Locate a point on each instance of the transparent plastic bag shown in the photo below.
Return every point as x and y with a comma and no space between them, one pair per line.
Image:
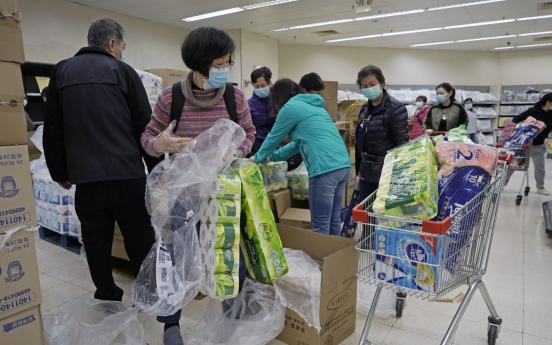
176,195
298,181
94,322
274,175
299,290
254,317
387,304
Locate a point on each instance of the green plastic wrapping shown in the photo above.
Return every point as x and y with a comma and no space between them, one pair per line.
228,186
274,175
260,241
298,181
408,184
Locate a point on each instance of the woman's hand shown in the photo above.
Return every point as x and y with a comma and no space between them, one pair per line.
429,131
165,143
252,159
357,182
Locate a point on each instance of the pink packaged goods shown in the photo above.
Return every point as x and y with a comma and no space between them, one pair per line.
524,132
456,155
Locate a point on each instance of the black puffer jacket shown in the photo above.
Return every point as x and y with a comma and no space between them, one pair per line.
386,129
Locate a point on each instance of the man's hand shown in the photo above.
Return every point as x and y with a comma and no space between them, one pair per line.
165,143
65,185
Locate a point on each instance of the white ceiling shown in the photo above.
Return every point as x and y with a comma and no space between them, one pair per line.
261,21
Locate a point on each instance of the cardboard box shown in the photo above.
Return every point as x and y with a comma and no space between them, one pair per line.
19,282
350,190
352,155
13,126
11,36
17,205
272,202
24,328
339,260
169,75
330,97
34,153
349,110
293,216
118,249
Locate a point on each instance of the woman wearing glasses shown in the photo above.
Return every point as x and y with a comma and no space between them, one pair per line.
207,51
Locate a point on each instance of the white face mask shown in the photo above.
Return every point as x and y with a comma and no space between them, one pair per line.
419,105
25,103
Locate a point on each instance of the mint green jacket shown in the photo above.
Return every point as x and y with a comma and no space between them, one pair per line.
314,136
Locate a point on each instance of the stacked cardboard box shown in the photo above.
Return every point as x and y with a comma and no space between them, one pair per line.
20,297
169,75
330,97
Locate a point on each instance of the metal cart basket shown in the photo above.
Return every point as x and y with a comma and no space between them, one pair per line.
521,158
428,259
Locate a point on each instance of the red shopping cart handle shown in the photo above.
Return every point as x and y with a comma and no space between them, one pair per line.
429,226
507,158
434,133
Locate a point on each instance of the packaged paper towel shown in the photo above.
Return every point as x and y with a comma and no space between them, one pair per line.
153,85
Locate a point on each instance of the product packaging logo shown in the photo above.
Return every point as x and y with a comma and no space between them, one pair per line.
340,299
8,187
15,272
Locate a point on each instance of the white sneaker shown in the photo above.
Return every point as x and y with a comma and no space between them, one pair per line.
542,192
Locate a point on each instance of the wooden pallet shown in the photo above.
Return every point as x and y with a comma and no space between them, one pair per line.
63,240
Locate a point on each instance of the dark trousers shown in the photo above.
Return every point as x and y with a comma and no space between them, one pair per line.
98,206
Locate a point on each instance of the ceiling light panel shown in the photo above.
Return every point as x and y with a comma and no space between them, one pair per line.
386,15
536,33
535,18
484,39
237,9
431,44
479,24
504,48
535,45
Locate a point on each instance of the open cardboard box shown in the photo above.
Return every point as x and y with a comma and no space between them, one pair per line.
338,259
169,75
289,215
330,97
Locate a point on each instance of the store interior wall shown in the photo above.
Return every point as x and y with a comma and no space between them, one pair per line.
236,71
55,30
258,50
525,67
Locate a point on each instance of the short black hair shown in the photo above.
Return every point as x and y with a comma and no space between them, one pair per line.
282,92
264,72
312,82
44,92
423,98
102,30
468,100
205,44
370,70
547,97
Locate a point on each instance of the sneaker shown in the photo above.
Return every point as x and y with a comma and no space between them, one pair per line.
542,192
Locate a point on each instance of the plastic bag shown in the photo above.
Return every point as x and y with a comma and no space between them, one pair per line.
94,322
387,302
298,181
274,175
177,192
255,317
299,290
408,183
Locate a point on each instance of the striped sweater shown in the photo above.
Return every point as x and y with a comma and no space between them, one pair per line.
202,108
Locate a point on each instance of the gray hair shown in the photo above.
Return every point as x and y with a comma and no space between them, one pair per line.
102,30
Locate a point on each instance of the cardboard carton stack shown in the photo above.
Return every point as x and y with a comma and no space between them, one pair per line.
20,297
169,75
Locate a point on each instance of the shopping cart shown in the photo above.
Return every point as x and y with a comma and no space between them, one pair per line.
521,157
461,244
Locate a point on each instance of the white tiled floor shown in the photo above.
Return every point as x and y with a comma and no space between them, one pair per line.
519,280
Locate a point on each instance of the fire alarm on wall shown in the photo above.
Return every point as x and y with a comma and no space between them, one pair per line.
363,6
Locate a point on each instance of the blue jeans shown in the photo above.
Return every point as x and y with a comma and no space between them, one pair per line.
325,199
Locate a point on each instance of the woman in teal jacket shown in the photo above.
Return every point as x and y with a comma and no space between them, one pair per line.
302,116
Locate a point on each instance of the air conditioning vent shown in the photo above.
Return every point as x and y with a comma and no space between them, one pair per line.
545,6
541,39
326,33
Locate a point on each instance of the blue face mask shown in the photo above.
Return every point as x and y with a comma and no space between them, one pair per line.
263,92
441,98
122,53
468,106
217,78
372,93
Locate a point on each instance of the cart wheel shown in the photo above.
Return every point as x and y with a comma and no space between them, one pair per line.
527,190
492,335
400,306
518,200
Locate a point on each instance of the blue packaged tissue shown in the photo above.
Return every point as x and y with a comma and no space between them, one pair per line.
409,259
455,191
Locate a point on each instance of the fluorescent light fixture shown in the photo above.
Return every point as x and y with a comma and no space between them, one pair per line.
430,44
536,33
213,14
479,24
410,32
535,45
463,5
504,48
237,9
313,25
485,38
353,38
535,18
266,4
391,14
385,15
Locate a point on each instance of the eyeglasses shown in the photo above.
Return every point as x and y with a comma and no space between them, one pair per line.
230,65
